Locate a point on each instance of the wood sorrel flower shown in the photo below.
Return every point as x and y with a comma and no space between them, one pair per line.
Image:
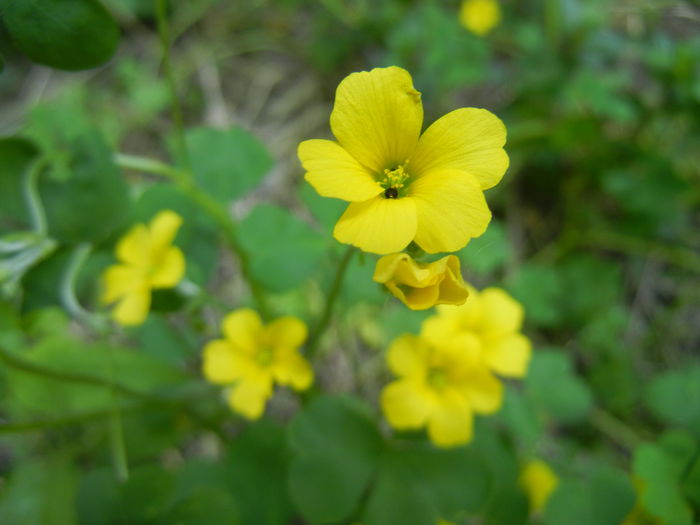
439,388
252,357
148,261
403,186
538,481
422,285
480,16
493,320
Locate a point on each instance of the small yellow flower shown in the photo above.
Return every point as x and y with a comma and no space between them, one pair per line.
538,481
148,261
480,16
439,388
490,320
403,186
253,356
422,285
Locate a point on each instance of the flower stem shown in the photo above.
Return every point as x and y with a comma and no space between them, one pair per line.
31,195
312,346
615,429
175,108
211,207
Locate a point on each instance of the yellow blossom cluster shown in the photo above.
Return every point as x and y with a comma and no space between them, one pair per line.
447,374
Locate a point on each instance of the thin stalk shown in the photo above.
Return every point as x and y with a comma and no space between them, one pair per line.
69,281
312,346
175,108
116,428
31,195
615,429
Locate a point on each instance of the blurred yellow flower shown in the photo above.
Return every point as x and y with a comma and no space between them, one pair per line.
439,388
253,356
403,186
148,261
480,16
489,320
538,481
422,285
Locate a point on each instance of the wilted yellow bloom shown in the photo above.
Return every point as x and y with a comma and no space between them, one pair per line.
148,261
480,16
403,186
439,388
489,321
252,357
538,481
422,285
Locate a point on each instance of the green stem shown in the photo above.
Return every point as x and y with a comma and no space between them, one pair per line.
615,429
116,428
175,108
211,207
31,195
312,346
68,284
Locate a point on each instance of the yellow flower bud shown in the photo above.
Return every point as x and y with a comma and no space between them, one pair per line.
538,481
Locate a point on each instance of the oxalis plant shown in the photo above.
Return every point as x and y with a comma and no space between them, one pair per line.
169,359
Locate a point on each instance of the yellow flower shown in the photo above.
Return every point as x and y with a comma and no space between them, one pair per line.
403,186
439,388
252,357
480,16
422,285
490,320
538,481
148,261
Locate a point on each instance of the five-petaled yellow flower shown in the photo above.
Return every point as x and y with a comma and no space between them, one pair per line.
439,387
148,261
422,285
538,481
253,356
480,16
489,320
403,186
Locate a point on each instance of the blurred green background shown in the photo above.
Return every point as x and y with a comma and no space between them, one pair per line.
595,231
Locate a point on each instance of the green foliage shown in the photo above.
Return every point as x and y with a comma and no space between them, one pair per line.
55,32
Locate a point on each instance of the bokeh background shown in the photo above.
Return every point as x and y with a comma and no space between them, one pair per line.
595,231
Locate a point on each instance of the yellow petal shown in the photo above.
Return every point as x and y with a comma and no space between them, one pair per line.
406,404
439,329
244,329
450,422
288,332
400,267
378,225
290,368
416,298
222,364
480,16
453,289
133,308
484,392
170,269
408,356
500,313
134,246
334,173
119,280
467,139
377,117
163,228
538,481
451,210
248,397
509,356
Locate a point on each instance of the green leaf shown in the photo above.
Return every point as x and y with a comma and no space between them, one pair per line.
257,470
674,397
284,251
419,485
93,202
337,447
539,289
15,157
228,163
487,253
65,34
145,495
203,506
553,387
325,210
97,497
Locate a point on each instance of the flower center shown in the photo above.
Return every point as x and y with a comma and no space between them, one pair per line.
264,357
437,378
394,181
